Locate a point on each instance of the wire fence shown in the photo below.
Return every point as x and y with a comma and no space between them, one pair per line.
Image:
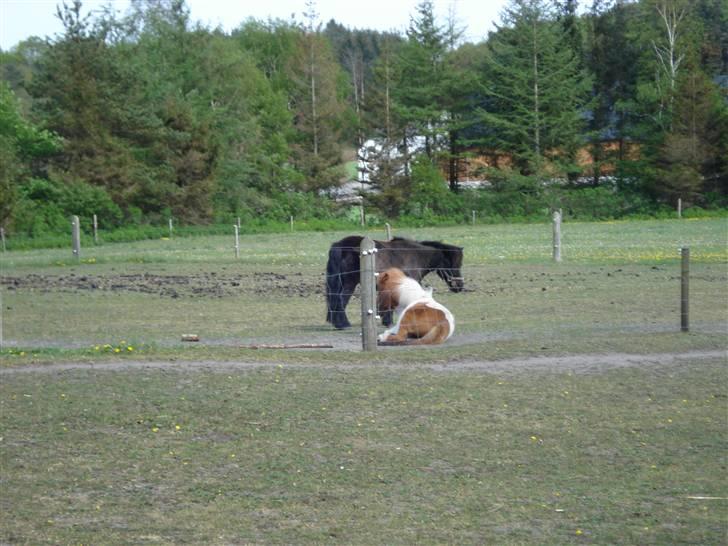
124,307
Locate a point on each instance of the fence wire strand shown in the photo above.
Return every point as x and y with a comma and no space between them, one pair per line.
130,306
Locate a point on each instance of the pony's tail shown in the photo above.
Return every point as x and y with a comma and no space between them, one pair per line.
334,285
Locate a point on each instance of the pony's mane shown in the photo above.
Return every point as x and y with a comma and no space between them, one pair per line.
452,254
440,245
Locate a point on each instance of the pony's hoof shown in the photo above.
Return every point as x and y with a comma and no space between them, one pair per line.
342,326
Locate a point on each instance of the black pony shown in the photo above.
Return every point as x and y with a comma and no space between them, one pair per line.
415,258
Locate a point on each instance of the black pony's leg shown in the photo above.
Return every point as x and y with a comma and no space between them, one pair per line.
337,311
348,285
338,316
386,318
336,268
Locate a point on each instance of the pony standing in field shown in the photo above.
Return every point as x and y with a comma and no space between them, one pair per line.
421,319
415,258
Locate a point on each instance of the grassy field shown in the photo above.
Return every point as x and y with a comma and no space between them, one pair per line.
296,454
427,446
618,280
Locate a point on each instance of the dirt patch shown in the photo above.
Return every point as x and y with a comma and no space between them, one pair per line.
584,363
207,284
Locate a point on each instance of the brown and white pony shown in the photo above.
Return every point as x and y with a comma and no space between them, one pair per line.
421,319
415,258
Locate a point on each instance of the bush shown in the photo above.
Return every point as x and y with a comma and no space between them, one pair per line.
300,205
45,206
430,197
600,203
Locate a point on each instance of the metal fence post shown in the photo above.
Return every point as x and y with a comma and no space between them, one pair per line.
685,290
368,295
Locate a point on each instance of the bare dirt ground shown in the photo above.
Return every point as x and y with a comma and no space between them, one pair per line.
208,284
583,363
222,284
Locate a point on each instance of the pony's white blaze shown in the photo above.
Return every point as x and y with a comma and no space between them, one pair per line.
422,320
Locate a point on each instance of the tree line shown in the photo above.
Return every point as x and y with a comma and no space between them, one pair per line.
146,115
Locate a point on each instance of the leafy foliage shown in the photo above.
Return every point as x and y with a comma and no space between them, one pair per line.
45,206
21,143
148,115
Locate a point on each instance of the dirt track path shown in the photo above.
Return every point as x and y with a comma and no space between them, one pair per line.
583,363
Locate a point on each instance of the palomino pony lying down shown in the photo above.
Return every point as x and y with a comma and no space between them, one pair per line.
421,319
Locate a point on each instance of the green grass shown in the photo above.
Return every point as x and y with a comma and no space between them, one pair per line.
365,456
339,446
617,280
621,242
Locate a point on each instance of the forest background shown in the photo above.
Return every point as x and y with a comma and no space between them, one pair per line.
604,110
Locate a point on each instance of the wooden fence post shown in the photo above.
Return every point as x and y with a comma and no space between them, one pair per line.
389,231
237,241
679,207
96,230
170,228
2,236
368,295
557,236
473,217
685,290
76,237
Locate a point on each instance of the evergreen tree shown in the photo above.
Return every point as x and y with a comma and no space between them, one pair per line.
689,158
79,92
464,95
536,91
422,70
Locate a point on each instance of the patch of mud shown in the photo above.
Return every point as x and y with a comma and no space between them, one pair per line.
212,284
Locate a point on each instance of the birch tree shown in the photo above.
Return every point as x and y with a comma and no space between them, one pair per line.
669,55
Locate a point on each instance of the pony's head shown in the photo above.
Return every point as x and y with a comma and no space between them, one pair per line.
388,288
449,264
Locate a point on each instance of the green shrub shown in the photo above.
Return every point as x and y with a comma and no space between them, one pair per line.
430,197
300,205
45,207
600,203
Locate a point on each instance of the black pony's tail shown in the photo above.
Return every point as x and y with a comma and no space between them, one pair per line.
334,285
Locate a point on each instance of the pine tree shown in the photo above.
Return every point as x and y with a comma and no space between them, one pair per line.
536,91
612,58
422,70
692,158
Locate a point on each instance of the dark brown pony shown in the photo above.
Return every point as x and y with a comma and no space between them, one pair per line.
415,258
